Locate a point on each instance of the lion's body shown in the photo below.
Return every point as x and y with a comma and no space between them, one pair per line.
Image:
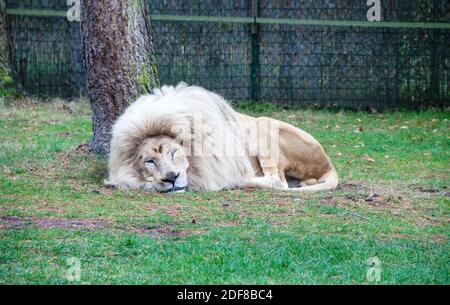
292,153
224,149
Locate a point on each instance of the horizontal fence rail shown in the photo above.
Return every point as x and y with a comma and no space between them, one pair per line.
257,20
294,53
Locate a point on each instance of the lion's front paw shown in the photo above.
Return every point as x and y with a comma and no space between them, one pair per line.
277,184
148,186
269,182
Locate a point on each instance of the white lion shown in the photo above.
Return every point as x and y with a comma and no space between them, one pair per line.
186,137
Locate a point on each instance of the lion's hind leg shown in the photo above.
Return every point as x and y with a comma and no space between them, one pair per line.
307,182
327,182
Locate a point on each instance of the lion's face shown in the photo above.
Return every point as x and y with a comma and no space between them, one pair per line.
163,164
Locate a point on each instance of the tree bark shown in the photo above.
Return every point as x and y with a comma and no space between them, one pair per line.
6,81
120,61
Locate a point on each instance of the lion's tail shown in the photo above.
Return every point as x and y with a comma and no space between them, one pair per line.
328,182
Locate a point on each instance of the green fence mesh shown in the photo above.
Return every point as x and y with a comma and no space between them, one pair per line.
289,64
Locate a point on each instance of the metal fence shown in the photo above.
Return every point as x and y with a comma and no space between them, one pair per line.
290,52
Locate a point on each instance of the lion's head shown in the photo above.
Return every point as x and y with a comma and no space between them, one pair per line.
162,163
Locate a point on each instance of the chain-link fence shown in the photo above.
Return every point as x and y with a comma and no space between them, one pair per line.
46,50
290,52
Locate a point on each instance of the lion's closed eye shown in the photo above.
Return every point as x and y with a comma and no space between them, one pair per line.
150,163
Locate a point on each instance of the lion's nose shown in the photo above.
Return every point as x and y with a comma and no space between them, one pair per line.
171,177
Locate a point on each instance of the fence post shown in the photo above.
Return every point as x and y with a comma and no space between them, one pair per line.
436,56
255,64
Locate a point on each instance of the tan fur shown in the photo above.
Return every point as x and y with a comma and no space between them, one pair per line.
155,125
297,155
157,160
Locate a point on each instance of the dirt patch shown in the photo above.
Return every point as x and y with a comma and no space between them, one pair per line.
63,134
376,195
425,221
356,192
108,190
428,190
167,231
351,186
61,106
370,199
82,148
439,238
17,223
395,235
172,210
50,223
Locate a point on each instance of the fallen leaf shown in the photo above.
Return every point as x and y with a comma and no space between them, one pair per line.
367,158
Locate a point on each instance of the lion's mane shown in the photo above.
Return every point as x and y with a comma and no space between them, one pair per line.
163,113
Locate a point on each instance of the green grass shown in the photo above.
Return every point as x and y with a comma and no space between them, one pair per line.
7,86
53,206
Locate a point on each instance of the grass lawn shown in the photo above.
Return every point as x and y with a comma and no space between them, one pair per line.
392,203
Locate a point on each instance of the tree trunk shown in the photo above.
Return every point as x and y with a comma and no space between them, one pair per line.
6,82
120,60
